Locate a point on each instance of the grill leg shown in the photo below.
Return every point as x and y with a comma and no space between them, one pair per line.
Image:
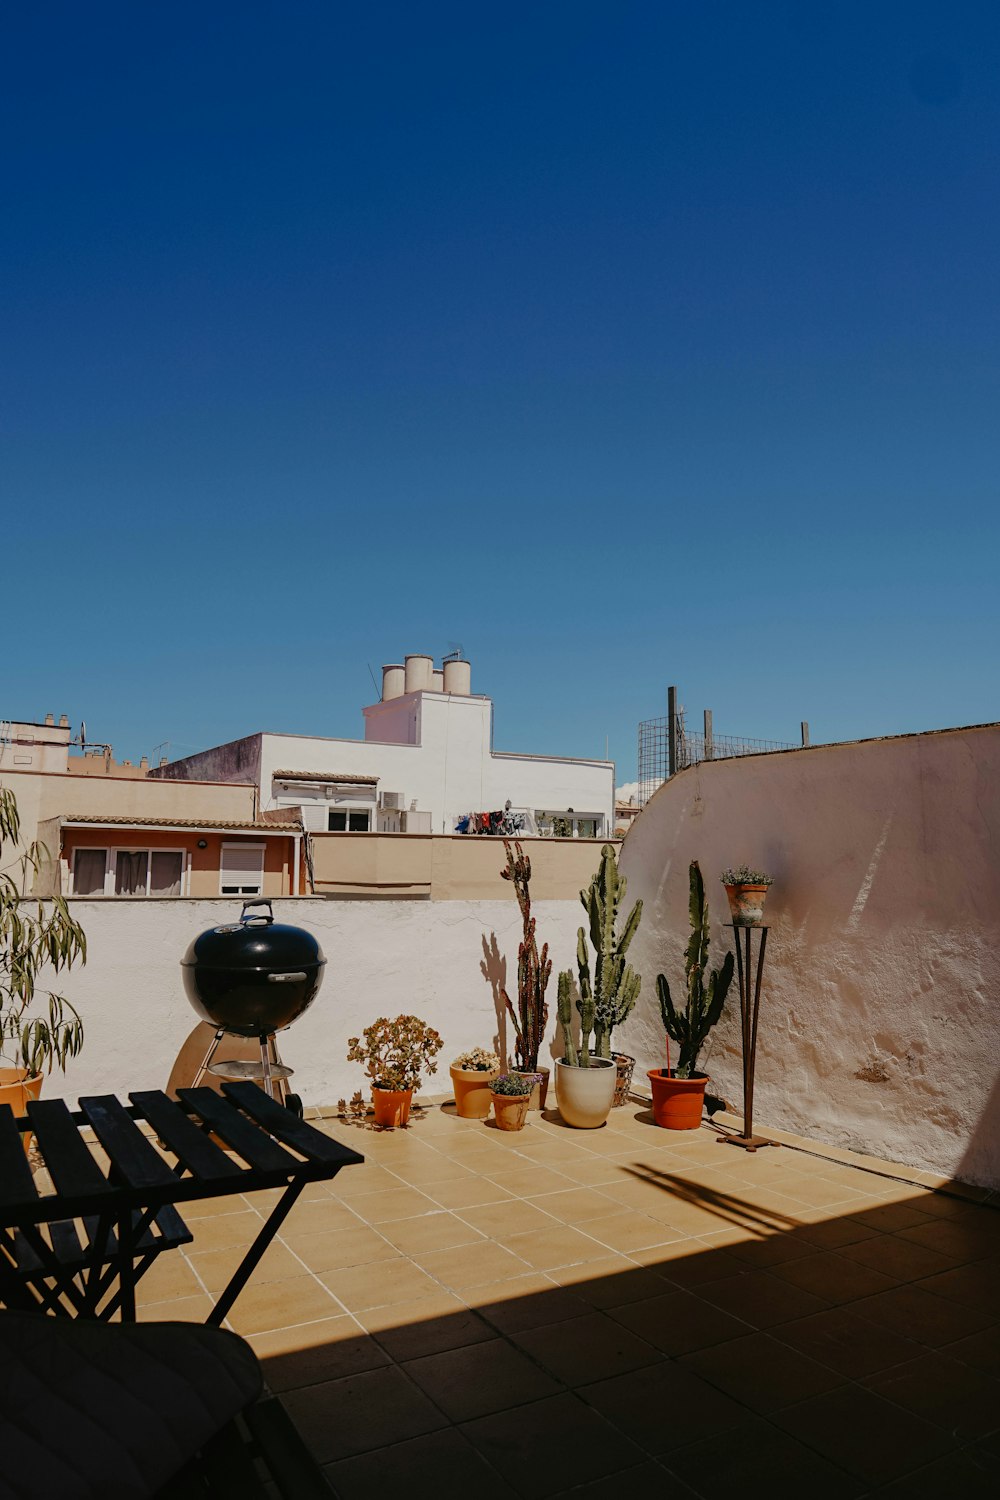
213,1048
282,1083
265,1064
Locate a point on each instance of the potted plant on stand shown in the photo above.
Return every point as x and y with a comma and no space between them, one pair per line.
679,1092
394,1054
585,1084
30,940
511,1096
471,1075
616,985
533,970
746,890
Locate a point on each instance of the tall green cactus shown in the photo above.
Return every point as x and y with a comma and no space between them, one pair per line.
576,1057
616,984
705,997
533,968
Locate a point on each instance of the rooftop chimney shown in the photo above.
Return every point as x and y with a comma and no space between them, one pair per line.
144,763
50,719
164,761
63,721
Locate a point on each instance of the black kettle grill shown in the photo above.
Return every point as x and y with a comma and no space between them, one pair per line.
253,978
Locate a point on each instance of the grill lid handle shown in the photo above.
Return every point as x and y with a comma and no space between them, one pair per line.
261,919
286,978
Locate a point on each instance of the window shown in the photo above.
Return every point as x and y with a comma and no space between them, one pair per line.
242,871
128,872
340,820
567,825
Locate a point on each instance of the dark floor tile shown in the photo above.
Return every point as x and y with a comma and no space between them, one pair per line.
969,1472
479,1379
833,1277
976,1286
981,1350
962,1400
863,1433
761,1372
921,1316
588,1349
679,1322
361,1412
899,1258
459,1471
762,1299
757,1459
648,1479
846,1343
551,1446
664,1406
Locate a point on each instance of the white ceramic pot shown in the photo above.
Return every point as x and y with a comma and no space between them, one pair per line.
585,1095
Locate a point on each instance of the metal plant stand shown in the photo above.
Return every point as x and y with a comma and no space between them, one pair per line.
749,1011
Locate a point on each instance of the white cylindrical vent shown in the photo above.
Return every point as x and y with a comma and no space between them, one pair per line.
393,682
458,677
419,670
437,681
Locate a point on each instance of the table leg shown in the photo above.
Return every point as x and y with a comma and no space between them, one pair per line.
250,1261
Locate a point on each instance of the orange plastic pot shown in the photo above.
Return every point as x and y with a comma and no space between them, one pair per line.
391,1106
17,1086
678,1103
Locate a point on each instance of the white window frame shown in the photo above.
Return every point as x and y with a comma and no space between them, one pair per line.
111,854
244,848
349,812
576,818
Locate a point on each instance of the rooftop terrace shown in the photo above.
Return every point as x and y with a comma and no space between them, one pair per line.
609,1312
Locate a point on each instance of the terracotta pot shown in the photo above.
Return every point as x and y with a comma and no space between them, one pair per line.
510,1110
540,1091
678,1103
392,1106
746,903
472,1091
585,1095
17,1086
624,1064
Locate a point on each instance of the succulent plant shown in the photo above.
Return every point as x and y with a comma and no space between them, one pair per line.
395,1053
616,985
533,968
706,996
477,1060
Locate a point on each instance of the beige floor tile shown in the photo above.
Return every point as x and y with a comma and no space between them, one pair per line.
362,1412
679,1322
327,1251
575,1205
204,1208
471,1266
311,1353
480,1378
688,1262
215,1268
266,1305
867,1435
502,1221
530,1301
194,1309
626,1232
395,1203
170,1275
612,1281
761,1372
432,1231
357,1182
459,1471
219,1231
832,1234
528,1182
890,1218
408,1330
360,1287
319,1217
558,1245
584,1349
467,1192
589,1171
587,1449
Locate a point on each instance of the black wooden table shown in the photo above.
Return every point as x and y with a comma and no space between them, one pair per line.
79,1250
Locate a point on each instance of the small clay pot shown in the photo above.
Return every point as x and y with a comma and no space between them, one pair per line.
510,1110
541,1088
678,1103
472,1091
391,1106
746,904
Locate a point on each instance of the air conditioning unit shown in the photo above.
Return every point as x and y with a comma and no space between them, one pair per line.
395,801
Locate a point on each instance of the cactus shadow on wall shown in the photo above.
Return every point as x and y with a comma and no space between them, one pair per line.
494,970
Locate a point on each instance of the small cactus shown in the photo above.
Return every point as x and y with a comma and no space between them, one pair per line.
575,1057
705,997
616,984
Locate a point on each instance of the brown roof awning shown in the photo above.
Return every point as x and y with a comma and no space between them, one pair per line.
331,776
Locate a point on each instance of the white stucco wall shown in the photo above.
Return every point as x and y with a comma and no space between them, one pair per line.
383,958
880,1017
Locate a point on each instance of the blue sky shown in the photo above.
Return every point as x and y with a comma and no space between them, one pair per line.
623,344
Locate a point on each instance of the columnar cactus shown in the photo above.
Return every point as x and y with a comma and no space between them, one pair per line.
616,984
705,998
533,968
576,1057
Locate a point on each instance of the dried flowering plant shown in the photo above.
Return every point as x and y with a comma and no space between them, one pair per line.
745,875
515,1084
477,1060
395,1053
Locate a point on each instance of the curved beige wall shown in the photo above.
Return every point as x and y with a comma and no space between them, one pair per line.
880,1016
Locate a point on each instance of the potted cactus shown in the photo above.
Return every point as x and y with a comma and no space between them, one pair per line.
616,985
533,970
511,1096
679,1092
585,1083
394,1054
746,891
471,1075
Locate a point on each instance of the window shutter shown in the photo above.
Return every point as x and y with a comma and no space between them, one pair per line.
242,870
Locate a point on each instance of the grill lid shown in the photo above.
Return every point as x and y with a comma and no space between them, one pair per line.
254,943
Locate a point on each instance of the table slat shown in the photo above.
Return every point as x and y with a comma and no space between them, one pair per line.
17,1186
73,1170
288,1127
134,1157
197,1151
237,1131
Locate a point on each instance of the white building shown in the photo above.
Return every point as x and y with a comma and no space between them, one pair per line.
426,763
